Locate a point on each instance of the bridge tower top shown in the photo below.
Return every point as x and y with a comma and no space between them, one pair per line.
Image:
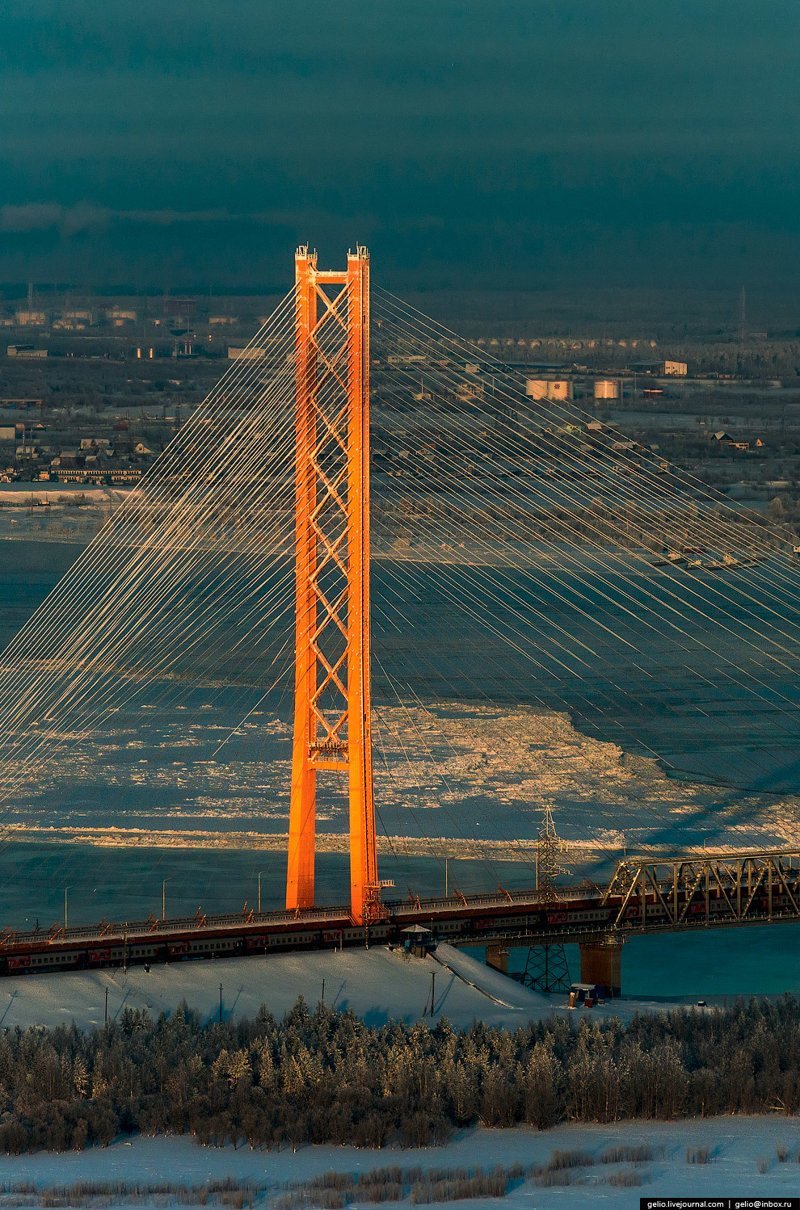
332,711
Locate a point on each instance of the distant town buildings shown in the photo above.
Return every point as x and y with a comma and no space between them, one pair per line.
25,351
120,316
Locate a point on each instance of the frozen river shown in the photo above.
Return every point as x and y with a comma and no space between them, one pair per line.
467,751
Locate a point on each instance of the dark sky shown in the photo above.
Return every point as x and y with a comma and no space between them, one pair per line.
468,142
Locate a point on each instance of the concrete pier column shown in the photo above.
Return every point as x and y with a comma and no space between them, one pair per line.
497,957
601,963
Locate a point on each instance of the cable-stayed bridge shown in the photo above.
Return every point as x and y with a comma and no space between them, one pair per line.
365,522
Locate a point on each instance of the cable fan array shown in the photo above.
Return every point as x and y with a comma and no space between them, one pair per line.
519,557
543,537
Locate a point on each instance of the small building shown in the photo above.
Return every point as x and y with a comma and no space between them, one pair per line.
586,995
675,369
418,940
556,390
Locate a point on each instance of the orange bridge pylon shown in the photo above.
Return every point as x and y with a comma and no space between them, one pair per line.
332,615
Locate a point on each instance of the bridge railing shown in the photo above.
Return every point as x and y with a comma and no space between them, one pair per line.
120,931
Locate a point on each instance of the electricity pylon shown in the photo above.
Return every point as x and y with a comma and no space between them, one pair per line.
546,968
332,616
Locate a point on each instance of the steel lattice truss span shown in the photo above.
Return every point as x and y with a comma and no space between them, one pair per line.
676,891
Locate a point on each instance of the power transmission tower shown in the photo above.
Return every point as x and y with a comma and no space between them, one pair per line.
332,712
546,968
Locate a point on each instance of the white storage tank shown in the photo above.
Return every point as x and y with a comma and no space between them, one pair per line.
607,388
555,389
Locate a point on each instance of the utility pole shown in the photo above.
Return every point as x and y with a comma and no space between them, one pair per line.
106,1016
66,917
259,892
164,900
446,877
220,1003
433,992
322,1001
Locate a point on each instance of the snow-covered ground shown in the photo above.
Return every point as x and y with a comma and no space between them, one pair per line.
376,984
738,1147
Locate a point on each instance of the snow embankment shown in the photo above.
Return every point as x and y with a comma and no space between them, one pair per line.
377,984
495,986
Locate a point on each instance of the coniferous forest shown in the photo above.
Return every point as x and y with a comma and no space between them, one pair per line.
324,1076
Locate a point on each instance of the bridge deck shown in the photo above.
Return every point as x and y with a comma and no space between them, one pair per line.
645,895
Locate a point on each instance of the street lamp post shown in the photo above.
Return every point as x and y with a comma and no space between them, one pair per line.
259,892
66,913
164,899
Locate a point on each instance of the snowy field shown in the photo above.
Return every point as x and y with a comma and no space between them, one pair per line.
376,984
738,1148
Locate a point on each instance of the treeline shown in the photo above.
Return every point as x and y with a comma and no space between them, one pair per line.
325,1077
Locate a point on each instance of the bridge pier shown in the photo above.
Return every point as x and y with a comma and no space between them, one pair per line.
497,958
601,963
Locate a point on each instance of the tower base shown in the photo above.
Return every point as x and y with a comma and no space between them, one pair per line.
546,969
